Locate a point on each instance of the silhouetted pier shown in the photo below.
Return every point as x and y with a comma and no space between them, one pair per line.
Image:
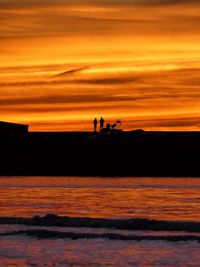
131,153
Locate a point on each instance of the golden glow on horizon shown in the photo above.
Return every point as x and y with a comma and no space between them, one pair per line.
64,63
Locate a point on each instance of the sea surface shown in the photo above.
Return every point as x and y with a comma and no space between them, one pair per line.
172,199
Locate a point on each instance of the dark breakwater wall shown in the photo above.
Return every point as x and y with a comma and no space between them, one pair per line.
85,154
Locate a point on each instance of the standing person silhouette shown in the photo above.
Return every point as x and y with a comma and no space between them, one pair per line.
101,123
95,124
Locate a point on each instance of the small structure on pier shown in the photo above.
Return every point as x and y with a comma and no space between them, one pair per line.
113,129
12,131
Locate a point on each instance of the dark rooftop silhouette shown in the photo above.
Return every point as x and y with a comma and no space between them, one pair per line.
12,131
13,125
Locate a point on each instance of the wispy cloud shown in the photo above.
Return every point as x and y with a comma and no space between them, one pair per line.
74,59
41,18
72,71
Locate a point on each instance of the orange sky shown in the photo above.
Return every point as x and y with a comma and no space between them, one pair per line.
64,62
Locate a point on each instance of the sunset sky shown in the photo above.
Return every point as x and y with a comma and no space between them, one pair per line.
64,62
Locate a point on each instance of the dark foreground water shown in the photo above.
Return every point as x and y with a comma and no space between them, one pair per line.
174,199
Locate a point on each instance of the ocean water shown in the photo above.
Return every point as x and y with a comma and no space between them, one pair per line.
174,199
153,198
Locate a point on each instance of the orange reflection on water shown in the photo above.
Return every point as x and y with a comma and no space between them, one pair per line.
157,198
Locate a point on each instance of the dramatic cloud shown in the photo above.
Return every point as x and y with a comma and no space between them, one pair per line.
67,61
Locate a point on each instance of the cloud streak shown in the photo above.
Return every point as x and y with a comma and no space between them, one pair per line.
128,59
39,18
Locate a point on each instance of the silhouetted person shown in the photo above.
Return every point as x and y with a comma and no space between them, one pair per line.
95,124
101,123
